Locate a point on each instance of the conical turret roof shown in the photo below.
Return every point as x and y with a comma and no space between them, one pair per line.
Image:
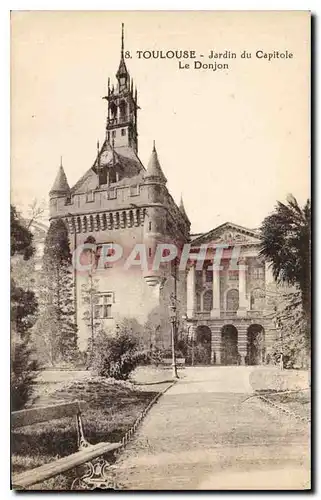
182,208
60,185
154,170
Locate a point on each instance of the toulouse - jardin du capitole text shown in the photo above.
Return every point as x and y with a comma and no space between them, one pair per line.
217,58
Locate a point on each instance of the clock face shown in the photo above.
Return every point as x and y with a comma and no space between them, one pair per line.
106,157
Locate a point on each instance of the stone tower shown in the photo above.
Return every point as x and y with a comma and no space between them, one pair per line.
119,202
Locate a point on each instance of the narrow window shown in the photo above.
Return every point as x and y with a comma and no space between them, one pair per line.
123,131
103,307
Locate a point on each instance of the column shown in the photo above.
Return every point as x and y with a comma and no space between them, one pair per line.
242,342
268,274
216,308
242,289
190,291
216,345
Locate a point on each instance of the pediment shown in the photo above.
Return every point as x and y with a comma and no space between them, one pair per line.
228,233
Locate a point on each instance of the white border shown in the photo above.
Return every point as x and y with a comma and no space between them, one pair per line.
5,7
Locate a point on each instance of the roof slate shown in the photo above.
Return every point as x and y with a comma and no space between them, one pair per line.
124,156
60,185
153,168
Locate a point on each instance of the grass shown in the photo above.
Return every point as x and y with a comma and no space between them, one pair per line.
278,380
113,409
298,402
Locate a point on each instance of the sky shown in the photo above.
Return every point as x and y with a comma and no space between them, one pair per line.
231,141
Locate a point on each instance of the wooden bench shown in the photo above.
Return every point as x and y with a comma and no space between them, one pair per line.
96,475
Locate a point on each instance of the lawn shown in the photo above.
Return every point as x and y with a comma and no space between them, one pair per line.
113,409
272,378
298,402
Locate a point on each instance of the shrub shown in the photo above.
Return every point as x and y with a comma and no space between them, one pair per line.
117,355
167,353
201,355
23,373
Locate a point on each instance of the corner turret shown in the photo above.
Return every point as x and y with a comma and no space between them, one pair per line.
182,209
154,172
60,186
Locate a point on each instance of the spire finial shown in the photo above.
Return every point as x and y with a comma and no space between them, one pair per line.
122,40
61,161
98,155
113,147
154,146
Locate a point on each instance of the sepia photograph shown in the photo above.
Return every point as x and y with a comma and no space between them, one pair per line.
160,250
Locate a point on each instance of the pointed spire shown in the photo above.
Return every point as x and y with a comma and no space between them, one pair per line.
154,170
181,207
122,70
60,186
122,41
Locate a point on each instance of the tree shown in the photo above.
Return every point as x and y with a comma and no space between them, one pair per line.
56,323
290,323
286,243
117,354
23,309
21,237
89,291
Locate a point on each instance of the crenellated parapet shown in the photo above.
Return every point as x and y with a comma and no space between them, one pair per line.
106,221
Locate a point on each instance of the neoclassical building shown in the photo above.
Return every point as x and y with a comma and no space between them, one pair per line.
118,201
230,300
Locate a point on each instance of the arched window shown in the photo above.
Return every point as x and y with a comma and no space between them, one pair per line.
112,175
113,110
232,300
122,110
257,299
208,300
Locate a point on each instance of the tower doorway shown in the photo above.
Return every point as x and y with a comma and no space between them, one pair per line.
255,345
229,350
202,348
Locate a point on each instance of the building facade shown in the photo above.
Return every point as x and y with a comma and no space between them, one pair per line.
119,203
231,296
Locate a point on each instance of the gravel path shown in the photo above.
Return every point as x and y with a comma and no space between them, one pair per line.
205,433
